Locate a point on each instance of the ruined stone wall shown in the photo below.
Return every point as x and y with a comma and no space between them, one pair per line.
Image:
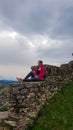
63,70
26,99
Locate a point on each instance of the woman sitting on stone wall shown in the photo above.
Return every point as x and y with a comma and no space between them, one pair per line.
35,75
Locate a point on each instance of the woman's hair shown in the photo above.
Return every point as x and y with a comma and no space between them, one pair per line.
40,61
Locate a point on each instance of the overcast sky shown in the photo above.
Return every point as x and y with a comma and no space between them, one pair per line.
32,30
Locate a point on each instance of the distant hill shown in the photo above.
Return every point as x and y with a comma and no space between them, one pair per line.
5,82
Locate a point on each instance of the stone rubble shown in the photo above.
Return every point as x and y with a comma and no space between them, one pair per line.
26,99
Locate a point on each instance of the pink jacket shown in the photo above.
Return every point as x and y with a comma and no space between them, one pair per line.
41,74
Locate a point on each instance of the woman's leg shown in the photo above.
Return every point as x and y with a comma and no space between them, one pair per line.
30,74
32,80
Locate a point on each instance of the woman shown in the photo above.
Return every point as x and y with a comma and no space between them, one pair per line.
37,75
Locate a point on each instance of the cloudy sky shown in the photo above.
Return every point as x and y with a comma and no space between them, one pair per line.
32,30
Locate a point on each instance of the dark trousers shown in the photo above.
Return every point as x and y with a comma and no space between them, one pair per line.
31,78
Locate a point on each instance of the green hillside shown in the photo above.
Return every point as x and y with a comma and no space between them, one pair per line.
57,114
3,98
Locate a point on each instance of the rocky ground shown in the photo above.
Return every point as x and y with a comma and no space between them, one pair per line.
26,99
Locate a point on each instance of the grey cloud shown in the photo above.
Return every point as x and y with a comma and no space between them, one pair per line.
64,25
59,55
16,52
36,17
31,17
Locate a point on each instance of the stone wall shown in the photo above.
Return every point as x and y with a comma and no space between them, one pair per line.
26,99
63,70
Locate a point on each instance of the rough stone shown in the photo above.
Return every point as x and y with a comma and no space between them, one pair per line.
26,99
4,115
11,123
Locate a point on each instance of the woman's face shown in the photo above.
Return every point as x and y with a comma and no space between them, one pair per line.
39,64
